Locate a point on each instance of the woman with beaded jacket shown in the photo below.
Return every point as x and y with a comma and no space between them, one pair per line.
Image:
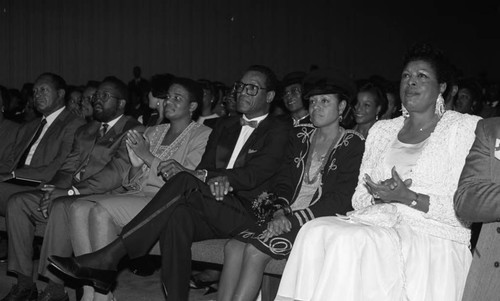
404,241
317,179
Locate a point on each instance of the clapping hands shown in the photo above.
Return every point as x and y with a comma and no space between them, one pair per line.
391,190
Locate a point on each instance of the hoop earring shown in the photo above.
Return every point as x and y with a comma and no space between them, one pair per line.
404,112
376,117
440,109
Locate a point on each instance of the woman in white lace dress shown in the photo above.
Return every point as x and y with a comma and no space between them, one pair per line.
97,220
403,241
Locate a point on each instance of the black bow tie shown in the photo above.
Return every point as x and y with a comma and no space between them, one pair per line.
250,123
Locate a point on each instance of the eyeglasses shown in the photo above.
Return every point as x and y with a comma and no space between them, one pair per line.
294,91
102,96
250,89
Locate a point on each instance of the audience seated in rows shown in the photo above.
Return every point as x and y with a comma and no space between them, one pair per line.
89,217
317,179
403,241
97,163
242,155
95,221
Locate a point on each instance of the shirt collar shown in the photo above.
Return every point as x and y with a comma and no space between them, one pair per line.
112,122
258,119
53,115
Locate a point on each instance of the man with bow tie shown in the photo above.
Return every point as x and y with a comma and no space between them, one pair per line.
478,200
96,164
214,201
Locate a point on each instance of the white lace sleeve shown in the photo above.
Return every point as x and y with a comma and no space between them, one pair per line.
441,197
362,198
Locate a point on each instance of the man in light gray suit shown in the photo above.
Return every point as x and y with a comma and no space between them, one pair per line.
478,200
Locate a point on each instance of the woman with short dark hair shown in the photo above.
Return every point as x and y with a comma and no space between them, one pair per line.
317,179
403,241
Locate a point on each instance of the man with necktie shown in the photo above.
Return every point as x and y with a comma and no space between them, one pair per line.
98,162
43,144
214,201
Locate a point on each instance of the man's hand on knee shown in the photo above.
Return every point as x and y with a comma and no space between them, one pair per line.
219,186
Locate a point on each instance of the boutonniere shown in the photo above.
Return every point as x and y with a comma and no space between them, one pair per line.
251,151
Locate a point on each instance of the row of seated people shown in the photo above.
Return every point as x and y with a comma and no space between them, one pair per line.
272,188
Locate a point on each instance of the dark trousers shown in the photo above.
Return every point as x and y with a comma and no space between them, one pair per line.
182,212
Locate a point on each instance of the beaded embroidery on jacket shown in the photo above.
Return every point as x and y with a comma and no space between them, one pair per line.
436,173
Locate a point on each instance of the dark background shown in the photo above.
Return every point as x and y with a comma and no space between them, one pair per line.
217,39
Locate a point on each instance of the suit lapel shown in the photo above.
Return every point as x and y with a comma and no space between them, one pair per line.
258,132
226,144
111,135
88,142
55,126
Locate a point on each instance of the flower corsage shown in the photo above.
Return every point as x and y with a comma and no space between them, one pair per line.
266,204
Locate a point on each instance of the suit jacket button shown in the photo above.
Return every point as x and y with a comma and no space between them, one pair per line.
497,264
498,229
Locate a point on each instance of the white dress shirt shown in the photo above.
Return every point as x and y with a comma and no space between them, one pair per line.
50,119
246,131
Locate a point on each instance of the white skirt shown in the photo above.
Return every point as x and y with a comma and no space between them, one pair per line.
333,259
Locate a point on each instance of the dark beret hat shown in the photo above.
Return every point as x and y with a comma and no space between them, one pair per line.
292,78
328,81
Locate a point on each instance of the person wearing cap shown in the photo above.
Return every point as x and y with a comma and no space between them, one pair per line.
317,179
213,201
292,98
403,241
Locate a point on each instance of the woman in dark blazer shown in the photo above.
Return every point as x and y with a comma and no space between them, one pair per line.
317,179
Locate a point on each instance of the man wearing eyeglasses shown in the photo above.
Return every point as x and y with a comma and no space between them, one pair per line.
98,162
214,201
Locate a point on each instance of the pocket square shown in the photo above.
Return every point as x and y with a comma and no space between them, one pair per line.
497,148
251,151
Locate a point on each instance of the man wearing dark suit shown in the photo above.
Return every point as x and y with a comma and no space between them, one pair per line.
97,164
43,144
478,200
240,158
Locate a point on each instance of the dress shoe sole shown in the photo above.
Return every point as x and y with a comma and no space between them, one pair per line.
100,286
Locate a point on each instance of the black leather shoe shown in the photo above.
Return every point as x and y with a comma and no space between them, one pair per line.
22,294
46,296
142,266
102,280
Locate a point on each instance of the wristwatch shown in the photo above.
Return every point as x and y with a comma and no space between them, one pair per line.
201,174
71,192
414,202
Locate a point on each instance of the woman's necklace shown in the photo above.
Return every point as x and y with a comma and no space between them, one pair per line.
323,159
